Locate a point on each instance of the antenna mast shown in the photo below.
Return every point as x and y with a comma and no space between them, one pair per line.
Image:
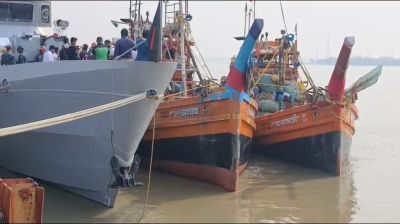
182,47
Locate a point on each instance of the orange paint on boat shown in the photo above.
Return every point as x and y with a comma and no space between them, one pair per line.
214,117
306,120
226,116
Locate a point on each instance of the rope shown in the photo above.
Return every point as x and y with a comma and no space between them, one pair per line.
203,66
345,103
201,56
283,16
307,74
151,165
179,93
70,117
112,99
265,69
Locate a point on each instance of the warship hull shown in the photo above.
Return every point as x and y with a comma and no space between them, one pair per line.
85,156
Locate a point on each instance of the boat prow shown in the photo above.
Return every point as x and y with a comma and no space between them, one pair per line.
84,156
316,129
338,79
208,136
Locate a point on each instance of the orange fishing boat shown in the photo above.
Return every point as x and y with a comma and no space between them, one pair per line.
203,130
297,121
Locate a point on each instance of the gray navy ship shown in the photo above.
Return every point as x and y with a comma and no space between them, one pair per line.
94,156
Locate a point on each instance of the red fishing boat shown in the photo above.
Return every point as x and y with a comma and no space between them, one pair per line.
297,121
203,129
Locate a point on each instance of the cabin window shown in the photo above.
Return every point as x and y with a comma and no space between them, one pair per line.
16,12
3,10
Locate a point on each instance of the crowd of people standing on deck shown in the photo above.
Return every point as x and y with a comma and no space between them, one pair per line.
70,50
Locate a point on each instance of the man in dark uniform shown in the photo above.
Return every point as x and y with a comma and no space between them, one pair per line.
72,51
21,57
123,44
143,49
8,58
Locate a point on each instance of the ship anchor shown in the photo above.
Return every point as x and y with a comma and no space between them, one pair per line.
125,176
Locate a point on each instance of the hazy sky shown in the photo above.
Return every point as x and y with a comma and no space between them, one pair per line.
322,25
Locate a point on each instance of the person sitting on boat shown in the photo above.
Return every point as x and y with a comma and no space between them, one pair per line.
100,52
124,44
73,50
8,58
21,57
143,49
48,55
63,51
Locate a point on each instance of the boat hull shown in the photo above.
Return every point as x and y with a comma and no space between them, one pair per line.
212,146
77,155
317,136
208,157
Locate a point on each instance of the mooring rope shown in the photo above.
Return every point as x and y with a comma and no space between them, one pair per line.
345,102
70,117
188,90
151,165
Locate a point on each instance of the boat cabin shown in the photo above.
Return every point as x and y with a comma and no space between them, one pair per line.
29,24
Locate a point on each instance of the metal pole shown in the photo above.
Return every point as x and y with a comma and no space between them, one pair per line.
130,9
245,20
194,61
182,47
254,15
161,31
248,27
140,27
135,16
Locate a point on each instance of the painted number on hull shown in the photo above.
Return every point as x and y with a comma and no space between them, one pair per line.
187,112
284,122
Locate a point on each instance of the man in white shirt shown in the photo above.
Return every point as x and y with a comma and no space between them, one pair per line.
55,54
48,56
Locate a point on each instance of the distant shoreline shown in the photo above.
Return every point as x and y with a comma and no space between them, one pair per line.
358,60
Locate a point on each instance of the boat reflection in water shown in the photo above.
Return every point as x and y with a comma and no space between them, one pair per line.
281,192
270,191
